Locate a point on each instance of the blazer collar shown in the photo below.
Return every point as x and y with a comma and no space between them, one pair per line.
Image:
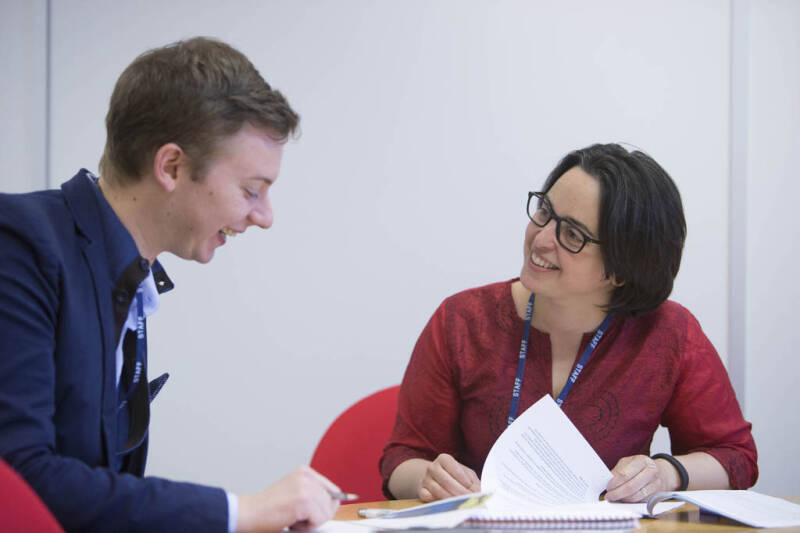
97,222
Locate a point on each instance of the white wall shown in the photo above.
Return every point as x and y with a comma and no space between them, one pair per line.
424,124
23,95
773,255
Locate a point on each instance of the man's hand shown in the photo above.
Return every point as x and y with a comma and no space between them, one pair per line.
638,477
301,500
446,477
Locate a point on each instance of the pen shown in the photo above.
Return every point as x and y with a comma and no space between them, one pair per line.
343,496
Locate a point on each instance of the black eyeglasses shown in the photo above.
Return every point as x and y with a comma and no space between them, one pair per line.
569,236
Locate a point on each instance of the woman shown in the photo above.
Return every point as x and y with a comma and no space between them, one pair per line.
600,255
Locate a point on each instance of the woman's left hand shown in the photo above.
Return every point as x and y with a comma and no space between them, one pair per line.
638,477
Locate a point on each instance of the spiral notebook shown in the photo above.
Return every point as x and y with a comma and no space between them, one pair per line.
584,517
470,512
542,474
462,515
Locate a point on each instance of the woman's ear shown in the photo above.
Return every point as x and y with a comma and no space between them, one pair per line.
613,279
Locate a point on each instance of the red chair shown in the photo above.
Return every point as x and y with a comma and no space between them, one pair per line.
349,450
21,510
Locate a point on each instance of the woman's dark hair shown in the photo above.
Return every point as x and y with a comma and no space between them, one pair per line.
642,227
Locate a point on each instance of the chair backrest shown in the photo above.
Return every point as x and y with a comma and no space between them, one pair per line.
349,450
21,510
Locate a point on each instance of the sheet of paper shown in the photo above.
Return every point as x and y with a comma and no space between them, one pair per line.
746,506
342,526
541,459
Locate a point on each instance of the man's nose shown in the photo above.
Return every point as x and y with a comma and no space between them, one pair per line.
262,215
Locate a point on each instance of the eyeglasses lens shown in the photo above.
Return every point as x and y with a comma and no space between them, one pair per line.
540,212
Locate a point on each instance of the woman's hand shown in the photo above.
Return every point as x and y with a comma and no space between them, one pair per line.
446,477
638,477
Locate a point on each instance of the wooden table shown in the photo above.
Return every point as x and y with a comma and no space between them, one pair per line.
681,520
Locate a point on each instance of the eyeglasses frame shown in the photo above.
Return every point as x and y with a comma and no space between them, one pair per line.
541,196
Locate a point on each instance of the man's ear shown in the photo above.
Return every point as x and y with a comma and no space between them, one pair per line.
168,163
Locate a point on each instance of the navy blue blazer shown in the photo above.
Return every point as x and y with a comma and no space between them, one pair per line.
58,397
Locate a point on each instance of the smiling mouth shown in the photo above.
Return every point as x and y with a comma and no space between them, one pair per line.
538,261
229,232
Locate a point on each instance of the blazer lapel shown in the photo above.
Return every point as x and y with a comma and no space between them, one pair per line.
80,199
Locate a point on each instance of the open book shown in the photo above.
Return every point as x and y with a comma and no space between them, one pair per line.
540,471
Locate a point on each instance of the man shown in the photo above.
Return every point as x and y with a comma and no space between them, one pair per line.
195,139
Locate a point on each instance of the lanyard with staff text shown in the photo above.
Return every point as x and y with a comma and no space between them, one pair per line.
523,354
141,345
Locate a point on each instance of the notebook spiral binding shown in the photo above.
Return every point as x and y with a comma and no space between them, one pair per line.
577,524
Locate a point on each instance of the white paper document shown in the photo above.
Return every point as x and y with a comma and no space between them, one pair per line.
343,526
745,506
542,459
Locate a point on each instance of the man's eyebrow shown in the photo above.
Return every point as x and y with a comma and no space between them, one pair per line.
269,181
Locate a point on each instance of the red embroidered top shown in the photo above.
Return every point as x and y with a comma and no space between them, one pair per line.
656,369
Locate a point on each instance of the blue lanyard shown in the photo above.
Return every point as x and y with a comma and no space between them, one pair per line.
523,355
141,345
141,342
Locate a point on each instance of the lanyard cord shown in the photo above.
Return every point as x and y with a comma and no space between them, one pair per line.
141,345
523,355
